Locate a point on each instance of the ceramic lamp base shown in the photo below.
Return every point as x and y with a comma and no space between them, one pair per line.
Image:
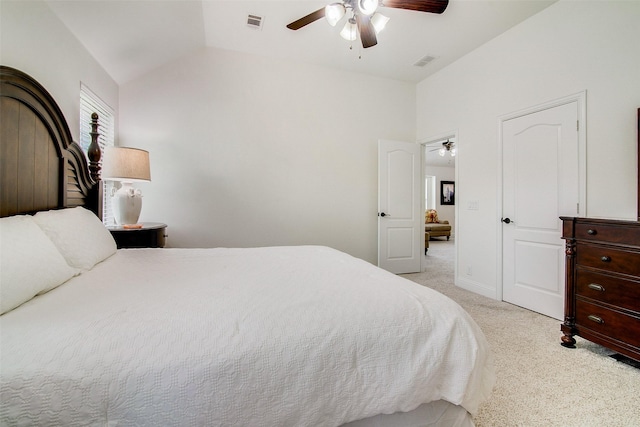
127,204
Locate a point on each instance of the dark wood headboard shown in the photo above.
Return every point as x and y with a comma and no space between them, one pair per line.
41,168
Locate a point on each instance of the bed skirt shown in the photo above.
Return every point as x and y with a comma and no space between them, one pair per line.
433,414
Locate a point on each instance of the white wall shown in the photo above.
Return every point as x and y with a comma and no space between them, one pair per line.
569,47
33,40
248,151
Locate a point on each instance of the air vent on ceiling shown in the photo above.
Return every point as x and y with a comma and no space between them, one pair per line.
255,21
422,62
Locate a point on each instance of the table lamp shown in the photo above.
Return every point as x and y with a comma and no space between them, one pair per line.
126,165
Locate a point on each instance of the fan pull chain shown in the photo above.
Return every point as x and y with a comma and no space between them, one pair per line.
360,50
359,53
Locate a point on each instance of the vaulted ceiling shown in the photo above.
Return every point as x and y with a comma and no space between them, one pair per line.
131,37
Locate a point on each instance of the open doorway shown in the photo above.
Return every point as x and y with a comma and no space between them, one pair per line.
439,176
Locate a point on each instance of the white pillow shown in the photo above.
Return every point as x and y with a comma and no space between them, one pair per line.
78,234
30,264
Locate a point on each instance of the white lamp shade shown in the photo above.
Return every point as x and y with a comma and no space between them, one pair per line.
349,32
368,7
379,21
126,164
334,13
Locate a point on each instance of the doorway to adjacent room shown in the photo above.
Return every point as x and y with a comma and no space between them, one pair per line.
439,171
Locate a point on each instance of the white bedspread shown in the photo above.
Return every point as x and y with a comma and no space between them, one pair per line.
286,336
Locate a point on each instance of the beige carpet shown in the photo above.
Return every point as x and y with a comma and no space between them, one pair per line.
540,383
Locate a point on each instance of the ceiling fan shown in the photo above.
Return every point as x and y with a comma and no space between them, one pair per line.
365,20
447,146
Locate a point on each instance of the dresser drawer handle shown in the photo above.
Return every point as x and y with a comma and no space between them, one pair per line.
591,232
605,259
595,318
596,287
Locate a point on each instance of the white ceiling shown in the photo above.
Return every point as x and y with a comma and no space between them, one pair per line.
131,37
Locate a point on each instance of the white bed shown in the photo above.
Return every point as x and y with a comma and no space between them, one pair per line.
282,336
261,337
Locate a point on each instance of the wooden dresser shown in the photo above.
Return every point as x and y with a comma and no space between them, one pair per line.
602,283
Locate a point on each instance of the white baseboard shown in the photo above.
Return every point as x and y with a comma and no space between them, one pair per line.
476,287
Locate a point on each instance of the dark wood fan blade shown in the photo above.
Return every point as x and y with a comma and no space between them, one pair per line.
306,20
431,6
366,30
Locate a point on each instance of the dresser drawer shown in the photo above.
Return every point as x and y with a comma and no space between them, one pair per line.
609,259
608,322
607,289
608,233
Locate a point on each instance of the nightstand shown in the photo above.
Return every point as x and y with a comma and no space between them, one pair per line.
150,235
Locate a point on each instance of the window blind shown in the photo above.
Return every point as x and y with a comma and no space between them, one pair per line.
90,103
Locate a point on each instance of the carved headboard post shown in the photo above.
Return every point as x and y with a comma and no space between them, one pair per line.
93,152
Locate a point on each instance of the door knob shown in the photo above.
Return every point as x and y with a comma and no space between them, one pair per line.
383,214
506,220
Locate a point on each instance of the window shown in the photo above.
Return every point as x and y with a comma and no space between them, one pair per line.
90,103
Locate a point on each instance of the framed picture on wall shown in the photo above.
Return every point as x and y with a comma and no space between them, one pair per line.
447,192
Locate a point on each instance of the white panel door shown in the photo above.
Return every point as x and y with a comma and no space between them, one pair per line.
540,184
400,223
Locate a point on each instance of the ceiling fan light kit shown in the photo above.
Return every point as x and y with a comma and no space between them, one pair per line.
447,146
442,152
365,20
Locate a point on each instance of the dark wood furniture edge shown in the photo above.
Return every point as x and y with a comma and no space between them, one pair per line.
574,239
150,235
78,180
610,343
568,326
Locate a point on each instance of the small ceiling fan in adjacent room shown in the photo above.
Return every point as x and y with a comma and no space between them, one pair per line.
363,16
447,146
